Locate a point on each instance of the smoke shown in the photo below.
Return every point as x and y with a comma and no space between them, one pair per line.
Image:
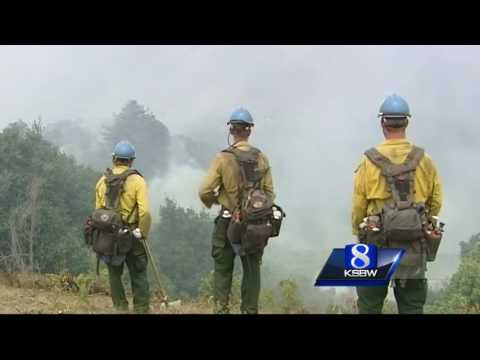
180,184
315,110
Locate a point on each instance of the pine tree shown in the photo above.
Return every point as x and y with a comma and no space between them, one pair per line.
150,137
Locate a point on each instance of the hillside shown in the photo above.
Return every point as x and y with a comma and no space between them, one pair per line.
27,293
52,294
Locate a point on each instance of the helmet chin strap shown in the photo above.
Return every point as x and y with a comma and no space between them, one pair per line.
228,138
129,164
230,133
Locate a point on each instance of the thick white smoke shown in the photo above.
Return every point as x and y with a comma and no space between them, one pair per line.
180,184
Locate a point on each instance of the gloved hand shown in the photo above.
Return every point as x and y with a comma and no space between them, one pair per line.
137,233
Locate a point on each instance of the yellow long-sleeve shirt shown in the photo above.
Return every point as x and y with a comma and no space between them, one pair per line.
135,192
224,175
371,190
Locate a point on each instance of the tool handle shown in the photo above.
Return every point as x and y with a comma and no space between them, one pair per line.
155,270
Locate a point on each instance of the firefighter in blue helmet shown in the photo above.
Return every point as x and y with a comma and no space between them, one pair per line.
222,186
397,196
133,207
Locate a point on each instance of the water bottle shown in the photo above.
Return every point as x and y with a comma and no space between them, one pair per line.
277,214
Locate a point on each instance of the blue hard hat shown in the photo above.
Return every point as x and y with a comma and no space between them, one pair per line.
394,106
124,150
241,115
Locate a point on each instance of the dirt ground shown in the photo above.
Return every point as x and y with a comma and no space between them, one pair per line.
34,297
40,301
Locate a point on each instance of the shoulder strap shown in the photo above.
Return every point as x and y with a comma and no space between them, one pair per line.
115,186
248,164
413,158
250,176
129,172
129,217
390,169
379,160
235,151
400,177
126,174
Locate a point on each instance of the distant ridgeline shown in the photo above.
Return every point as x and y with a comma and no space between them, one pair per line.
156,147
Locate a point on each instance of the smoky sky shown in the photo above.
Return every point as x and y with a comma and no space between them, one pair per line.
315,109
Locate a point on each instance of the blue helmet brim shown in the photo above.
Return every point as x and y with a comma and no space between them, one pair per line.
393,116
123,157
239,122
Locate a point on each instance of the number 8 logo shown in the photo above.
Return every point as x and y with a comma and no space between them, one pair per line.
358,254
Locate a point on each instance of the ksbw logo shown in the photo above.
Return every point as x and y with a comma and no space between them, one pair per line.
360,265
360,260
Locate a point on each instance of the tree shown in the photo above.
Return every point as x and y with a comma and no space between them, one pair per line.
181,243
23,225
150,137
462,293
196,154
45,197
74,139
468,247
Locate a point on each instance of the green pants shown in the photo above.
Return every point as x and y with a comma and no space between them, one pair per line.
137,262
410,298
224,257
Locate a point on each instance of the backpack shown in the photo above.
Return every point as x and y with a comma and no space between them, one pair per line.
256,218
402,220
105,232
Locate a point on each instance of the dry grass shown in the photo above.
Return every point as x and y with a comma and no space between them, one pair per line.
63,294
50,294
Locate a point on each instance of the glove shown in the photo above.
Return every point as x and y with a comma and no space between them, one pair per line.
137,233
